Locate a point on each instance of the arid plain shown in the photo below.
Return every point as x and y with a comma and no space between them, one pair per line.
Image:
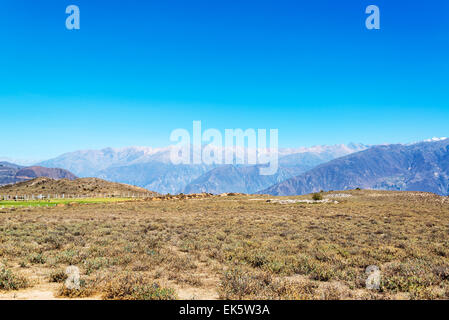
230,247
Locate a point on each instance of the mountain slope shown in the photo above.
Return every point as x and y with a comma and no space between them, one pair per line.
246,179
418,167
239,179
160,177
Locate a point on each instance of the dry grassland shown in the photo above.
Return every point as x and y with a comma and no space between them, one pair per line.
231,247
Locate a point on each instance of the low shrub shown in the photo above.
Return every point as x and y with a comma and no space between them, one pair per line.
136,287
239,283
10,281
37,258
317,196
58,276
86,289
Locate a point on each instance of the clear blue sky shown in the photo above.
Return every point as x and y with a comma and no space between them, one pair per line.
139,69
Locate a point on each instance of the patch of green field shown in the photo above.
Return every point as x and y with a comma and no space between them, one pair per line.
54,202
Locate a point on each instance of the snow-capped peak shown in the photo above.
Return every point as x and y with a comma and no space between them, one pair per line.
435,139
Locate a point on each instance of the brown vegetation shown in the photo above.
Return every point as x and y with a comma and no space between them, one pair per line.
234,248
83,186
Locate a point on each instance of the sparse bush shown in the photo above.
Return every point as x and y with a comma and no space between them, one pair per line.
58,276
140,266
256,259
317,196
334,292
442,272
322,272
136,287
37,258
86,289
94,264
238,284
271,252
293,290
412,276
10,281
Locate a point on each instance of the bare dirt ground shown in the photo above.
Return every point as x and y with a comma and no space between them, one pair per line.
231,247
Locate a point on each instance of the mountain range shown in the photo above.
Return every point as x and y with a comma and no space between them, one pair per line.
418,167
152,169
422,166
247,179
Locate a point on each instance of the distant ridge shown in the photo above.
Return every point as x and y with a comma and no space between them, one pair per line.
421,166
53,173
11,173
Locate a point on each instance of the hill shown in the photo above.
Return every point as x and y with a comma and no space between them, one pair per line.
11,173
419,167
83,186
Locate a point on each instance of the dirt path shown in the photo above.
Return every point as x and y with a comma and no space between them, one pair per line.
39,292
43,291
47,292
197,294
